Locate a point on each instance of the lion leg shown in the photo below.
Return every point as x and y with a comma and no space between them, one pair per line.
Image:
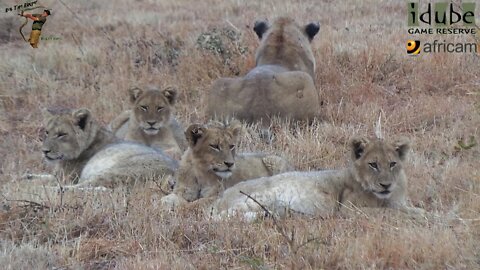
167,184
415,212
172,201
212,191
46,179
119,125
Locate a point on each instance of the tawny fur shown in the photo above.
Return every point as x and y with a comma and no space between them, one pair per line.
282,82
157,107
211,164
323,193
89,155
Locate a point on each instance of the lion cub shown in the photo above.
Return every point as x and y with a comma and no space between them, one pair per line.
282,82
211,163
376,178
90,155
151,121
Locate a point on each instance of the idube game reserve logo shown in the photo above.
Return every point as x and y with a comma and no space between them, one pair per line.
444,19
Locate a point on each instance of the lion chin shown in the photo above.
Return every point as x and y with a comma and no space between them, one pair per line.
53,159
383,194
151,131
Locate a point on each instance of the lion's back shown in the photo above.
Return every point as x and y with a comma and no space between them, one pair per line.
302,192
128,158
263,93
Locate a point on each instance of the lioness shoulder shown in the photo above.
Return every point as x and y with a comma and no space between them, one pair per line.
211,162
151,120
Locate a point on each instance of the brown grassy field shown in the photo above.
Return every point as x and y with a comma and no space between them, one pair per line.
362,71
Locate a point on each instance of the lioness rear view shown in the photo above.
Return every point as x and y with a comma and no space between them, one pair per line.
375,179
281,84
211,163
91,156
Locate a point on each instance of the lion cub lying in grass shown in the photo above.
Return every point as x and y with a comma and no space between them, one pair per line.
282,82
376,178
151,121
89,155
211,163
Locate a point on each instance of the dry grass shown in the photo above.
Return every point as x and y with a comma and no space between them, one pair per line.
362,70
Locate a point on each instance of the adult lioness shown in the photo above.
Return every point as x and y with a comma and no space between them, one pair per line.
151,120
281,84
376,178
90,155
211,163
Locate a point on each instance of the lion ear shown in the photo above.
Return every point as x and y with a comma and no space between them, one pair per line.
235,127
171,94
134,93
260,28
312,29
82,118
194,133
402,146
358,146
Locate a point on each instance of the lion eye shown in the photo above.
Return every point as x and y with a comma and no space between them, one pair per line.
61,135
373,165
393,164
215,147
46,132
159,109
144,108
232,147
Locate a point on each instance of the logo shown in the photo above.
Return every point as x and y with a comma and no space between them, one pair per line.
413,47
38,15
440,15
444,19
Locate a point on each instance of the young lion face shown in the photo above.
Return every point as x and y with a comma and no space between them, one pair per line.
213,147
378,164
67,134
152,108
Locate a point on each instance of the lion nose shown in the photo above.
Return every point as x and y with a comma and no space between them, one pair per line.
228,164
385,186
151,123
